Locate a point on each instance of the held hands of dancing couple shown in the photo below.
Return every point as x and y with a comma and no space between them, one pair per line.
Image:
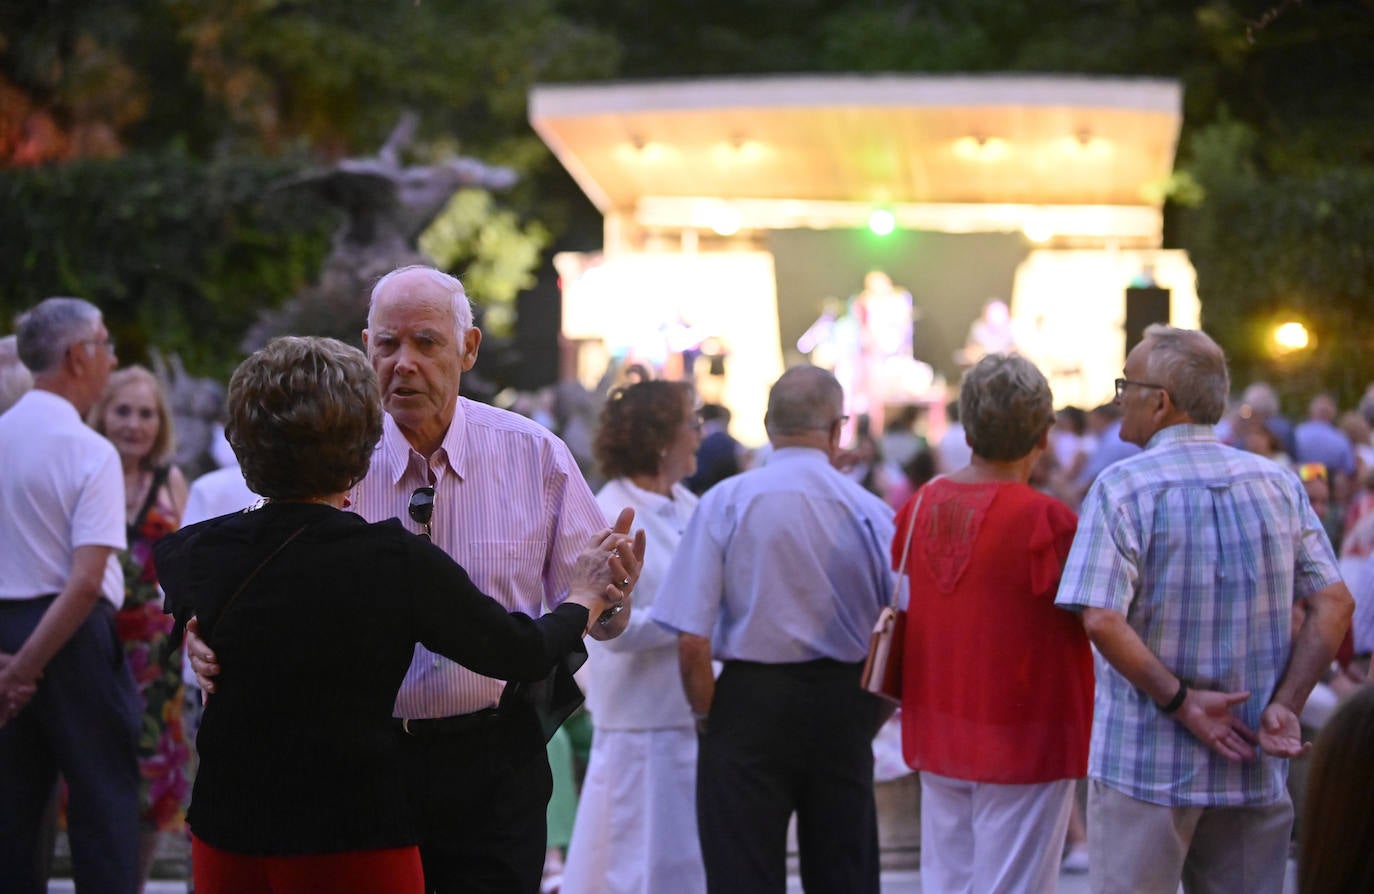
604,576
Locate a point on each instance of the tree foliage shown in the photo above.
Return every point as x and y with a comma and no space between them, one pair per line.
1279,247
179,84
490,250
1269,197
179,254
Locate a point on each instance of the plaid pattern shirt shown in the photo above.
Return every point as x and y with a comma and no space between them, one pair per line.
1204,549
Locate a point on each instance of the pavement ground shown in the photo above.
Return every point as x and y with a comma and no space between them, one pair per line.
895,881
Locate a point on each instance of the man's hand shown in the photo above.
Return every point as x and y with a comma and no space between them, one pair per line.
14,692
1207,715
203,660
1281,733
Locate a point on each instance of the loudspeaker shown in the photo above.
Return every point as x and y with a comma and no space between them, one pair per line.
1143,307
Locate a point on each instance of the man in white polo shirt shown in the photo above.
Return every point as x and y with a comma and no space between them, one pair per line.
67,699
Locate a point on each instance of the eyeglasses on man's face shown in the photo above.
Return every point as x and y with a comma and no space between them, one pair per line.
1121,385
106,343
421,508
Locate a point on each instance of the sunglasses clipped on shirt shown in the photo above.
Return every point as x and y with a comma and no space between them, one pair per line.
421,508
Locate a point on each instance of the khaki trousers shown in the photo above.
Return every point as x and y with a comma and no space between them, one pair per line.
1135,847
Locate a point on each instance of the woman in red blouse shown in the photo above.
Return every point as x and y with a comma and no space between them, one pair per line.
997,682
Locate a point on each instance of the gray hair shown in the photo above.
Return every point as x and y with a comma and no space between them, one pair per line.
803,399
462,306
46,332
1192,368
1261,398
1006,406
15,378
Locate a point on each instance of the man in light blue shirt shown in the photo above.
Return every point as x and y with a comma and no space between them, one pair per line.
781,575
1186,565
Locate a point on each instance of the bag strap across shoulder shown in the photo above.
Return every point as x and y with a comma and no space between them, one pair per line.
910,537
263,564
160,475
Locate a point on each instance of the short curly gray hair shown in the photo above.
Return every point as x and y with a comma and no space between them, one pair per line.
1005,405
304,417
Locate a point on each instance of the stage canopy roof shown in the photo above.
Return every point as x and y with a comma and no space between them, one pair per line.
1071,155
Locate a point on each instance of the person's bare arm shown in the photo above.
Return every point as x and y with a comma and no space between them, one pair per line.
1328,616
178,490
698,680
1204,713
19,675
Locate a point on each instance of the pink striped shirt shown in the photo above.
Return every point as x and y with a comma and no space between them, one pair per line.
510,506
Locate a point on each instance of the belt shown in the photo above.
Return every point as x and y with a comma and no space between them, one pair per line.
439,726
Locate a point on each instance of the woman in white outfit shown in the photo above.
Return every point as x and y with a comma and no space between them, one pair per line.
636,830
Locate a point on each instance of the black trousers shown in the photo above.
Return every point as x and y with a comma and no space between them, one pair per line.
483,791
82,722
785,738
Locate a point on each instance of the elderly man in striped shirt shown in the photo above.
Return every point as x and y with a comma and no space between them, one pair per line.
502,496
1188,559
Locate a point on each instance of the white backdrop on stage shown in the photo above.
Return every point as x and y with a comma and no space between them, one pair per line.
645,306
1069,313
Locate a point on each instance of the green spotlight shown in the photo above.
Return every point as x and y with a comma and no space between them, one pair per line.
881,222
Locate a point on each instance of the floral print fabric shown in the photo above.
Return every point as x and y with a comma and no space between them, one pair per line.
163,752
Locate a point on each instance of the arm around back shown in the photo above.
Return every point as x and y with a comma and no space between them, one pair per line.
1328,617
67,612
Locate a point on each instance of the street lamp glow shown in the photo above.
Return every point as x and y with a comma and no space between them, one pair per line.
1291,336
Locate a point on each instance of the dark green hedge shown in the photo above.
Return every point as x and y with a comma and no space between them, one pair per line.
180,254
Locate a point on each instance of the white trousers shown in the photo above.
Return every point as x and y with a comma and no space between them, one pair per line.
636,829
983,838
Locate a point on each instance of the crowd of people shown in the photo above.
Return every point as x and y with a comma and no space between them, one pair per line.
386,593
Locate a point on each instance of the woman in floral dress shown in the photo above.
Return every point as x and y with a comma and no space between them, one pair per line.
133,415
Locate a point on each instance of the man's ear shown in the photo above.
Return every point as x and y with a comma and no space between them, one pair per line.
472,340
1167,412
364,341
75,360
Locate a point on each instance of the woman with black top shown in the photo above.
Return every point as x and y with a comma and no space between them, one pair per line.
313,614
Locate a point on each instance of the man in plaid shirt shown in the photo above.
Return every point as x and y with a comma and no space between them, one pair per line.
1187,562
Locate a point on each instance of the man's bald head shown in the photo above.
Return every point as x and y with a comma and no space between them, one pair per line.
805,399
431,280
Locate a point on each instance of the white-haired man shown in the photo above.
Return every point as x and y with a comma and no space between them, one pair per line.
503,497
68,702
